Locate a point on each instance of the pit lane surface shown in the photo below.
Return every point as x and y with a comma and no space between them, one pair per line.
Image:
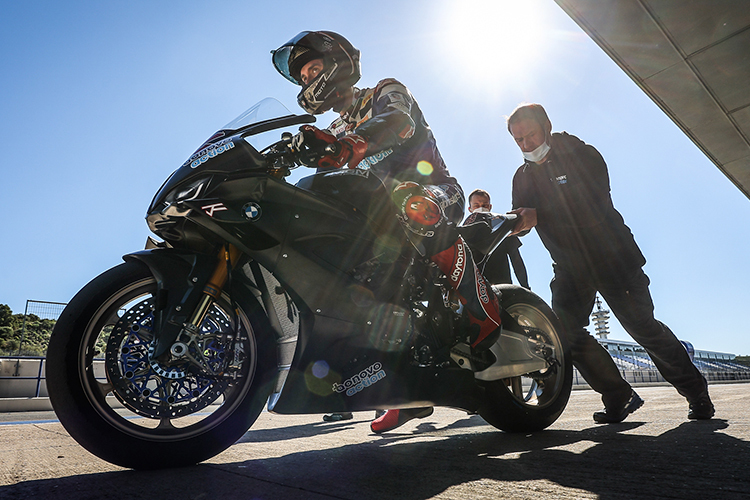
655,454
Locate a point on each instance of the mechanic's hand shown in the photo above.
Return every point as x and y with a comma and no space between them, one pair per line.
320,148
526,219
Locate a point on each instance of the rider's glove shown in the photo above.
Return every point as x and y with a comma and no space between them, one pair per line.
320,148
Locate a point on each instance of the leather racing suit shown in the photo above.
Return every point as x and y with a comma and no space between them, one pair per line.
402,152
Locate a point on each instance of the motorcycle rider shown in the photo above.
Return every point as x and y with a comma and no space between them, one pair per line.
382,129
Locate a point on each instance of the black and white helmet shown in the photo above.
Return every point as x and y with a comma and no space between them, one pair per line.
341,69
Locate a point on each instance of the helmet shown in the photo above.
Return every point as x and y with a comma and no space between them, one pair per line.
341,69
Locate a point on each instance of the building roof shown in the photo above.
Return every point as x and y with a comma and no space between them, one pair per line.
692,59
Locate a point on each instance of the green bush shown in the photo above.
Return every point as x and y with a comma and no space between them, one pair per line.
32,340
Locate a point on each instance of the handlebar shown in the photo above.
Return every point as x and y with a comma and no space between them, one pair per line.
487,229
282,157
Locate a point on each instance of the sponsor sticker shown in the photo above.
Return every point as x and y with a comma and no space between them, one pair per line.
211,209
211,152
359,382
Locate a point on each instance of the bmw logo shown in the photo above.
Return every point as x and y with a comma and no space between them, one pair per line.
252,211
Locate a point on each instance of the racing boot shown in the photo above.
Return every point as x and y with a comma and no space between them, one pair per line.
393,419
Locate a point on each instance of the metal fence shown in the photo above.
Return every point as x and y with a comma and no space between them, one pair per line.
22,377
41,309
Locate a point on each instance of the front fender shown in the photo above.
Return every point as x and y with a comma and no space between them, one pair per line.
180,277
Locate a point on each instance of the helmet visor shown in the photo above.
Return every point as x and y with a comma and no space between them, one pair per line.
281,62
294,54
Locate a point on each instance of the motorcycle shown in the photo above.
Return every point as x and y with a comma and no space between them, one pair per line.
307,297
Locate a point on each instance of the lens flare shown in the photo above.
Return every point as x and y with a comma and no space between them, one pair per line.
493,44
425,168
387,248
319,378
320,369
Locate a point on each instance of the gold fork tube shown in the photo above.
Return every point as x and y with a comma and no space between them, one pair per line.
227,257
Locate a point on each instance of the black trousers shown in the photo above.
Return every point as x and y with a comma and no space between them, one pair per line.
628,297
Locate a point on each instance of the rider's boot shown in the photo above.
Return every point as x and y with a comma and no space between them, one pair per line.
393,419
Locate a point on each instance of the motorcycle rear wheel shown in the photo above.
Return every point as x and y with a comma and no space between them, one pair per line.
534,401
160,416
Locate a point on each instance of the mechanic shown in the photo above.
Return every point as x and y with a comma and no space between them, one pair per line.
563,190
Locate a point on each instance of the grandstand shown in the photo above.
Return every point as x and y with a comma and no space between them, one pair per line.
636,365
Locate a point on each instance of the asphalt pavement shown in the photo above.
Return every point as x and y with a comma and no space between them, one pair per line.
655,454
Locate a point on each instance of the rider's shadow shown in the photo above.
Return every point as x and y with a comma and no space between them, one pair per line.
693,460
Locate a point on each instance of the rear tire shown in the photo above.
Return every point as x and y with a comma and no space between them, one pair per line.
160,416
533,401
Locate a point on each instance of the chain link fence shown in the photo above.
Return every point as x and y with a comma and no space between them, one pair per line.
39,319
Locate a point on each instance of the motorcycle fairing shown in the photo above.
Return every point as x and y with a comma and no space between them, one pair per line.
485,234
313,386
323,240
241,156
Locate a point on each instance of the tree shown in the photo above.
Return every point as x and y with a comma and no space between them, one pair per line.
32,341
6,315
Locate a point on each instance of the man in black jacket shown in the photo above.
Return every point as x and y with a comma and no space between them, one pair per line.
562,189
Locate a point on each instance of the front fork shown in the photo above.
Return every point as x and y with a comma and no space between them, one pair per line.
190,332
187,286
226,259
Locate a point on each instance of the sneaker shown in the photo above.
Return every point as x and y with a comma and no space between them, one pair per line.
701,408
393,419
611,416
336,417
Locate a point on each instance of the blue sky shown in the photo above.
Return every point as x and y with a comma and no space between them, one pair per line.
100,101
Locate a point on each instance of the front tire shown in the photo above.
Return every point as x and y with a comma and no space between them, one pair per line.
127,408
534,401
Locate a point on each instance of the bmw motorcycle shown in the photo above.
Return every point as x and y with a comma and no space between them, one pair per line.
307,297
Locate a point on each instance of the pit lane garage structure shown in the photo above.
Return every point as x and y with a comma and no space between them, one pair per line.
692,58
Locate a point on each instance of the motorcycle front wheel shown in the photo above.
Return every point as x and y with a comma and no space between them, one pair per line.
136,412
534,401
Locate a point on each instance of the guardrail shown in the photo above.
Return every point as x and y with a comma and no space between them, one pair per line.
23,377
23,383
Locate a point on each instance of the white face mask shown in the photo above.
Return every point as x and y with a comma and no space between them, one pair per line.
481,210
538,154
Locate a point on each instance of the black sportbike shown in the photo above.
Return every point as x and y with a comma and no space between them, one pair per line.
307,297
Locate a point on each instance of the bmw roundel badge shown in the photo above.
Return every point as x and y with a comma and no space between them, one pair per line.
252,211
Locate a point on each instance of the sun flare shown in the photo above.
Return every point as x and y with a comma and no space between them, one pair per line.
493,42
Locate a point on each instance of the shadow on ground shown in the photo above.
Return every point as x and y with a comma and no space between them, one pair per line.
693,460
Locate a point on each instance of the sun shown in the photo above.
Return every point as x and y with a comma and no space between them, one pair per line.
493,43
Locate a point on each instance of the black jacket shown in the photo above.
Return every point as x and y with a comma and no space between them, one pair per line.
576,219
